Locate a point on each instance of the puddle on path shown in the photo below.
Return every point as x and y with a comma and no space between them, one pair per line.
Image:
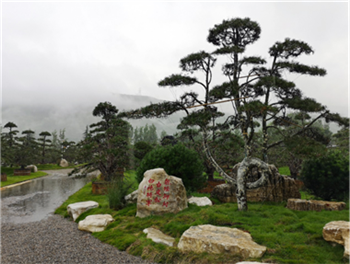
36,200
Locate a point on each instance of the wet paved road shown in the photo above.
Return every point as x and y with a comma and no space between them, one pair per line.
36,200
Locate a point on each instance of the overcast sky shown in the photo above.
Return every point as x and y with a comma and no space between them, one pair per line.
68,55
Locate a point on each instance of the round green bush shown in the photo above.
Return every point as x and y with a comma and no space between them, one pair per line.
327,176
177,161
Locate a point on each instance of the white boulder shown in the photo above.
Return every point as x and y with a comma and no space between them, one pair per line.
159,193
131,197
158,236
217,240
76,209
200,201
95,223
338,232
64,163
33,168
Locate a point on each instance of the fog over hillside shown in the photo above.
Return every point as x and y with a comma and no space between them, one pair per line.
74,117
45,116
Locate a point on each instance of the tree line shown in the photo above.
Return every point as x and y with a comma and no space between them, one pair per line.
24,148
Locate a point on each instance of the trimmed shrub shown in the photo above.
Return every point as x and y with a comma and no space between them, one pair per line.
178,161
328,176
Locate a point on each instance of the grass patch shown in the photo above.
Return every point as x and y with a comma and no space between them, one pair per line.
16,179
290,236
284,170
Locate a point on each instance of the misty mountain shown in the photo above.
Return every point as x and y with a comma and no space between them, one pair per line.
75,116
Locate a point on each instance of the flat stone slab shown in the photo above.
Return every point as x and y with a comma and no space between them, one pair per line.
95,223
314,205
217,240
200,201
158,236
76,209
338,232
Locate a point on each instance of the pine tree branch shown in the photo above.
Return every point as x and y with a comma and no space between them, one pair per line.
300,131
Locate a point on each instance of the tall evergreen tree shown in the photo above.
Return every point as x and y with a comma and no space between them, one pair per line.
27,151
44,144
252,88
9,144
108,143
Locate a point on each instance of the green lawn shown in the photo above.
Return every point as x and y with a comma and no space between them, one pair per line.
16,179
290,236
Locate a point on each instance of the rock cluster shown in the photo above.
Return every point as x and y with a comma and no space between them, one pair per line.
217,240
338,232
279,188
313,205
159,193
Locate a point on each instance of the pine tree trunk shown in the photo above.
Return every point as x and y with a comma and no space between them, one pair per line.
241,191
241,182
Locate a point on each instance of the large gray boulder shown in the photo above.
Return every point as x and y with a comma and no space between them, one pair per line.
159,193
278,188
217,240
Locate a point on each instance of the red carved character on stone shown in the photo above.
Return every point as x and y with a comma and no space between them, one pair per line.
159,184
167,182
166,196
149,194
165,204
150,181
157,200
150,187
158,192
166,188
149,202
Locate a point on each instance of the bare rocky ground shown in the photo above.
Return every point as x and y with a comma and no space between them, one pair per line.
56,240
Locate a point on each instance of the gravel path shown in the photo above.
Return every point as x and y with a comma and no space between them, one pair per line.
56,240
